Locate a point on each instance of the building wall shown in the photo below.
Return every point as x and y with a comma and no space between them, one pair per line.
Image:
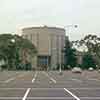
49,42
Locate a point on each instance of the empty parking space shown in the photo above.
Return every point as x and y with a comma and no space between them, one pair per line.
86,75
5,75
86,92
51,85
47,92
50,98
11,93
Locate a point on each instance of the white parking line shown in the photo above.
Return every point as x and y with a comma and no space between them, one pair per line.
11,79
50,88
47,88
13,88
77,80
26,94
93,79
94,88
10,98
28,90
90,98
49,98
52,79
34,78
72,94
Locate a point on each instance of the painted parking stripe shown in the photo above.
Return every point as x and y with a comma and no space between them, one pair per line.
13,88
61,98
26,94
90,98
77,80
93,79
73,95
94,88
11,79
50,88
10,98
52,79
47,88
34,78
49,98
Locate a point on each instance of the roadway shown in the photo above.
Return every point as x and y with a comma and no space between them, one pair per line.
42,85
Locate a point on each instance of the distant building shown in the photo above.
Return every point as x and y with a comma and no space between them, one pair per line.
49,42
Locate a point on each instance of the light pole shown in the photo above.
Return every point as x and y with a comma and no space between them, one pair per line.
53,52
60,62
70,26
53,56
60,56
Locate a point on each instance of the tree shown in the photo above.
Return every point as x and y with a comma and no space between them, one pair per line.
70,56
11,50
90,43
88,61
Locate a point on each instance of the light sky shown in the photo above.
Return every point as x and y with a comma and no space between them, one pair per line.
15,14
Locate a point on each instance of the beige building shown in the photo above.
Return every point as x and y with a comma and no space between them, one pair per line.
49,42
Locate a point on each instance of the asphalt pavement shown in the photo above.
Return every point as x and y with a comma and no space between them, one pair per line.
49,85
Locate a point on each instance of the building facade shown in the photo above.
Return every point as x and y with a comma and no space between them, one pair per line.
49,42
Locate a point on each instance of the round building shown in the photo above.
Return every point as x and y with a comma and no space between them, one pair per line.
49,42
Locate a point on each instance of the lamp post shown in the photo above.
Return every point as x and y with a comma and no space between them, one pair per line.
53,55
68,29
70,26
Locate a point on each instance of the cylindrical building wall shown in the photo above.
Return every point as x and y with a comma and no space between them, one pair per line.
49,42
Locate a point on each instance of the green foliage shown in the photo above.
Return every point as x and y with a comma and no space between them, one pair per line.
88,61
70,56
10,50
93,44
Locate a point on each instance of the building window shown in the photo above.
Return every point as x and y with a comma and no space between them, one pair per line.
42,60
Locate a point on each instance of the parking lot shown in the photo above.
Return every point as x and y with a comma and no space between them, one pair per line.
42,85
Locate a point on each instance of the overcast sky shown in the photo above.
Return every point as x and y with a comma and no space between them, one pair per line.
15,14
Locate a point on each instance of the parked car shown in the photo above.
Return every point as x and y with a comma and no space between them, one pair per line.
91,69
77,70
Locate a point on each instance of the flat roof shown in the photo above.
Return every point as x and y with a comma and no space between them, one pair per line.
43,27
